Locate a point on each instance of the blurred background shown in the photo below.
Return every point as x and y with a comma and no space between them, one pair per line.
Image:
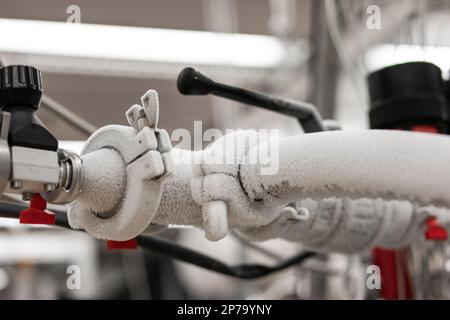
318,51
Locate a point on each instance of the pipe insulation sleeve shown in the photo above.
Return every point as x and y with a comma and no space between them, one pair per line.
375,164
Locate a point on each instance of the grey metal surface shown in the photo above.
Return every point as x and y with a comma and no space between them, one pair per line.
69,181
32,169
324,66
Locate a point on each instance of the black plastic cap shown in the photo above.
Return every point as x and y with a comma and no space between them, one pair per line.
406,92
192,82
20,86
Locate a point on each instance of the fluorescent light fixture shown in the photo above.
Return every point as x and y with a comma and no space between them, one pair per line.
388,54
140,44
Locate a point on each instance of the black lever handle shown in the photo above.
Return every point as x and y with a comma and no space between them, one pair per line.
192,82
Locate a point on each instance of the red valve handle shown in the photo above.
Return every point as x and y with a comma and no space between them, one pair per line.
128,244
37,213
435,231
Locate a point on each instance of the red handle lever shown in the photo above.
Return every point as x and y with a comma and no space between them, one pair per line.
128,244
37,213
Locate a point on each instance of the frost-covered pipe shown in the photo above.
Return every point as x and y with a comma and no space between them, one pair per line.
177,205
331,225
374,163
348,226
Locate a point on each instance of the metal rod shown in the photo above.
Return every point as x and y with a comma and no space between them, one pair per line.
64,113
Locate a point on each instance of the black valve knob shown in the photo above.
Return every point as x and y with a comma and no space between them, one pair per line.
20,95
20,85
407,94
192,82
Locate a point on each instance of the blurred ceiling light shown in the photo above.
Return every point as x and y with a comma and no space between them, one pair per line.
388,54
73,145
140,44
4,279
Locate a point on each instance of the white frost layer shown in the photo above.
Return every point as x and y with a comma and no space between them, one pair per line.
177,205
348,226
103,181
374,163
